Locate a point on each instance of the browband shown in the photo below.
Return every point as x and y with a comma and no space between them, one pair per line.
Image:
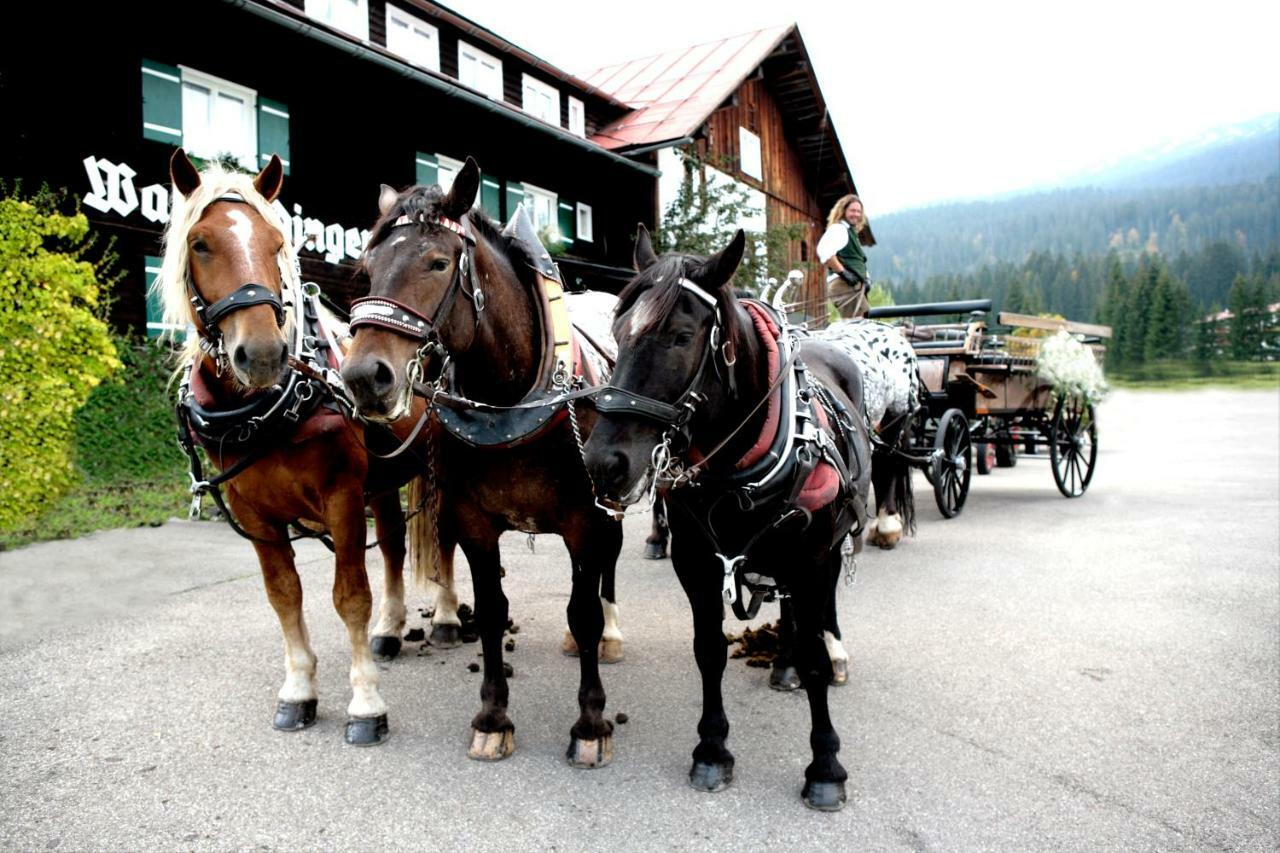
442,221
389,314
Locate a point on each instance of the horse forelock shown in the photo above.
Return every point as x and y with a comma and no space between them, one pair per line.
171,284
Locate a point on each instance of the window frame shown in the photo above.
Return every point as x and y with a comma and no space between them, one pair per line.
313,10
588,235
532,192
497,93
413,21
216,85
530,83
745,136
577,127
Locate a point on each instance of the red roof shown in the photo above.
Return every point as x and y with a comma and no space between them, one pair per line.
674,92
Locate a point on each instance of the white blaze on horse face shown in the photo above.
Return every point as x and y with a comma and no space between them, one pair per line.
642,314
242,228
397,241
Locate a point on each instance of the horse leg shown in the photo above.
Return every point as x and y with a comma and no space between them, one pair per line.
887,529
712,768
824,777
784,676
390,526
835,648
446,625
593,549
296,705
611,640
655,546
352,598
492,732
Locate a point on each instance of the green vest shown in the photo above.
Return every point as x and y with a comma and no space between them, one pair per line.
852,255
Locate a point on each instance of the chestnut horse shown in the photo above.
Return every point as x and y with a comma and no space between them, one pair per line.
444,283
229,271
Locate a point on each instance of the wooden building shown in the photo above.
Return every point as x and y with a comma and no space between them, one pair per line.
751,102
350,93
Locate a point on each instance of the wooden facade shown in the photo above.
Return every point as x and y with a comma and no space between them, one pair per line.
356,117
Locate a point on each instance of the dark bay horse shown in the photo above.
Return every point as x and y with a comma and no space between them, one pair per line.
444,283
697,396
229,270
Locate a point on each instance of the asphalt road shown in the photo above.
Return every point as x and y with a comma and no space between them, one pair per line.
1101,673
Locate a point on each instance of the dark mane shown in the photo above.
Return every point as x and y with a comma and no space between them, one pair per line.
663,276
427,200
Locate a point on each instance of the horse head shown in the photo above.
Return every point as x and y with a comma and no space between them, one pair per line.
228,275
418,265
676,326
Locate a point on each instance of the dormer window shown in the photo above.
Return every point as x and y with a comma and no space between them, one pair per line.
413,38
541,101
350,16
577,117
480,71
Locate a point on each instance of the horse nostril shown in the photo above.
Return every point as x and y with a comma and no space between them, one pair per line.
284,354
240,358
383,378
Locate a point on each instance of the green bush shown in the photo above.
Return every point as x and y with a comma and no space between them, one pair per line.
55,348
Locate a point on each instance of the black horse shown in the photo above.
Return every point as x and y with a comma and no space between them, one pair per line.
698,390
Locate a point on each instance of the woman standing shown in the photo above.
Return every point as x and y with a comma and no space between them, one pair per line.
841,251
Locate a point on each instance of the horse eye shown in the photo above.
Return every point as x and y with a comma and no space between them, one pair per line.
684,339
439,265
200,246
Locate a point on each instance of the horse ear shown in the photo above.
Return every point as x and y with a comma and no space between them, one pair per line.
183,174
387,199
644,255
717,270
270,179
463,192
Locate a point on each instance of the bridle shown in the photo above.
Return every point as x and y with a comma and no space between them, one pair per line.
677,417
393,315
245,296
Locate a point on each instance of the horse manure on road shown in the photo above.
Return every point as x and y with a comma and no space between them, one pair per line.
759,646
473,667
620,718
415,635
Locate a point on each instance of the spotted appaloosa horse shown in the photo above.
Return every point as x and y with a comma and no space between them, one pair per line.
892,389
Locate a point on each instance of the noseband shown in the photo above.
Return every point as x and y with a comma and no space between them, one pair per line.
245,296
393,315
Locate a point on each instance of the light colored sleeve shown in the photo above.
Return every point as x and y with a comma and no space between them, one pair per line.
832,241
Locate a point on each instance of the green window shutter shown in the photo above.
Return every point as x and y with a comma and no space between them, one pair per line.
273,132
491,195
515,196
565,221
427,169
156,325
161,102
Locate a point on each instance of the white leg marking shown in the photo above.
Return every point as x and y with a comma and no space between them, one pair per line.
391,613
612,630
299,664
446,612
835,649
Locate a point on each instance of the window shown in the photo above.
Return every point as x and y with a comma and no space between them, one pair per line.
350,16
211,117
584,222
156,326
749,153
577,117
413,38
542,207
480,71
219,117
426,170
540,100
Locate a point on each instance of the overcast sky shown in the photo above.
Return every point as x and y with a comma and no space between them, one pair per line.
944,100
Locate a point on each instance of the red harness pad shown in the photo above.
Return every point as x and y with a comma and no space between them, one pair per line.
823,483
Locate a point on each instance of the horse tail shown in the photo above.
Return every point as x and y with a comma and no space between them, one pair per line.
424,536
902,478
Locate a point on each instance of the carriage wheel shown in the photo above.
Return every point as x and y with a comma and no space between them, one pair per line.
952,462
987,457
1007,454
1073,445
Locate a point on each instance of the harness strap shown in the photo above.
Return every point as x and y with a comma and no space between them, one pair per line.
245,296
390,314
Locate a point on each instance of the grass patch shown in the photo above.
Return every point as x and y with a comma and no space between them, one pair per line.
1191,375
129,469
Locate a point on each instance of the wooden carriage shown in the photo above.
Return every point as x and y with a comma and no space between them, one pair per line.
983,391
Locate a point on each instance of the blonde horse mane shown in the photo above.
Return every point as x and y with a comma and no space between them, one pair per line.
171,284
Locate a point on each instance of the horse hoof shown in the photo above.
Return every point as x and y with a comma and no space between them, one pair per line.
610,651
569,646
445,636
839,672
824,796
367,731
385,648
655,550
710,777
589,754
784,678
294,716
491,746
